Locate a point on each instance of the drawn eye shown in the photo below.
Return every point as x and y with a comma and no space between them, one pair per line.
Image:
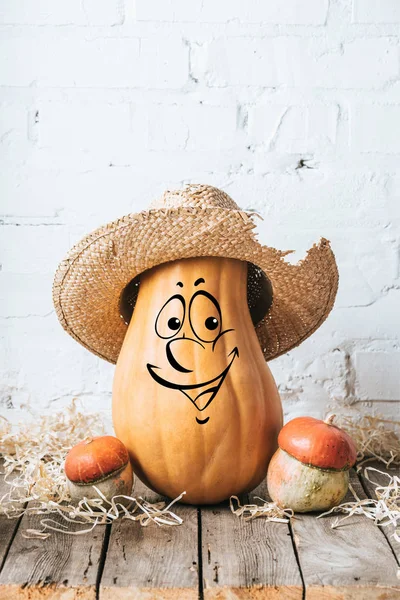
170,318
211,323
174,323
205,316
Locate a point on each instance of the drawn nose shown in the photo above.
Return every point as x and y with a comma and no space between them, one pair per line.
179,351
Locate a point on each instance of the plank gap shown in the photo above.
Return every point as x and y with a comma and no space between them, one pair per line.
348,562
10,541
247,558
200,555
57,567
102,560
369,490
296,555
154,561
8,527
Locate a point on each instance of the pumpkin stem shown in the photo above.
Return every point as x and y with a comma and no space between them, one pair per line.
330,418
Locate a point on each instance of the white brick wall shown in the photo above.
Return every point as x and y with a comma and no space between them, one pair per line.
252,11
298,62
378,375
56,12
292,107
381,135
376,11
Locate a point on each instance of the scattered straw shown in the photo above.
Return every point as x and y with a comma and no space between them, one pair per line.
34,458
269,510
100,511
375,438
384,511
34,455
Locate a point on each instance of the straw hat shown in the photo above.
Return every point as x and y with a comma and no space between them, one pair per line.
198,220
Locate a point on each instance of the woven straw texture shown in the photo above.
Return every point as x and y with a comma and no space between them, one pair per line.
198,220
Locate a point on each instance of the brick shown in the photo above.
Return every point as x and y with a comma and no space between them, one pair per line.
316,64
169,10
88,199
167,128
91,134
191,127
326,371
334,199
32,249
392,189
327,367
378,375
88,134
25,294
294,128
40,187
164,63
50,12
72,61
296,62
369,268
291,12
174,166
159,62
46,362
376,11
367,324
17,135
239,61
103,13
381,134
41,12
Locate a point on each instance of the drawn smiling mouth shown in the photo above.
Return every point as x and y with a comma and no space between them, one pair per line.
206,390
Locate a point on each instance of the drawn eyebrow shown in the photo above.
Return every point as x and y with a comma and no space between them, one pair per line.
200,280
180,284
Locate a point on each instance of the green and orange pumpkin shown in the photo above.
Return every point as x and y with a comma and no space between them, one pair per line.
310,470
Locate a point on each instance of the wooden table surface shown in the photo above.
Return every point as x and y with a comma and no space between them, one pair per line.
212,555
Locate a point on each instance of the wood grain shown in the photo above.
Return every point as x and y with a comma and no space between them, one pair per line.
388,530
152,562
60,567
240,560
247,559
351,562
8,527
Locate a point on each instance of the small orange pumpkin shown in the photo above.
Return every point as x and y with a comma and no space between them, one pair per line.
102,462
193,399
309,471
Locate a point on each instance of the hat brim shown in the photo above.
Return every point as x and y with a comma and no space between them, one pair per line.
89,282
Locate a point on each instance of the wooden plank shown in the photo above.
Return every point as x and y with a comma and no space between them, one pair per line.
152,562
352,562
388,530
247,559
8,527
62,567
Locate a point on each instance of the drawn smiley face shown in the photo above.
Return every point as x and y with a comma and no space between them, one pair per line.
192,330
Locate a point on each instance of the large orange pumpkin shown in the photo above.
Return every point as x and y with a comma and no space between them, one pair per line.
193,400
